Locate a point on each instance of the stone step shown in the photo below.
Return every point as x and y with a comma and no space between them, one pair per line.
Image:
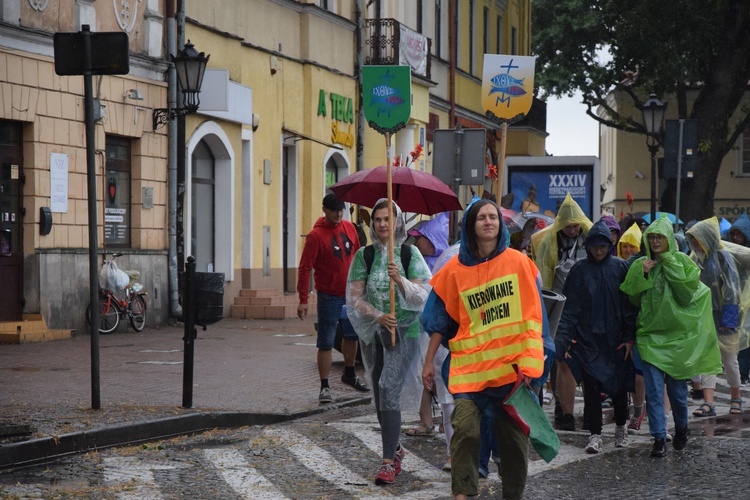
268,304
31,329
264,312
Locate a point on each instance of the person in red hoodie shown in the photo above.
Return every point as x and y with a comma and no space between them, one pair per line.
329,250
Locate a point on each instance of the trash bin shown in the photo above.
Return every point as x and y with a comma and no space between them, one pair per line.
553,303
209,298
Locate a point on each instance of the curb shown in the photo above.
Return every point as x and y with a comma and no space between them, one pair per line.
47,449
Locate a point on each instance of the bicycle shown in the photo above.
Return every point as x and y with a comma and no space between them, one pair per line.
114,306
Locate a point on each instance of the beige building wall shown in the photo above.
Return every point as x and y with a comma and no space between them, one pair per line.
50,109
287,53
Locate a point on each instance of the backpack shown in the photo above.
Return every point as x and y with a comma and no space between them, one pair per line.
369,256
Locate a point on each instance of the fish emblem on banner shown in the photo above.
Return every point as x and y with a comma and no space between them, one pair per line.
386,97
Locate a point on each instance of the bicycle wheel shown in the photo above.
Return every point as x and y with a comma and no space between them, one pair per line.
137,312
109,315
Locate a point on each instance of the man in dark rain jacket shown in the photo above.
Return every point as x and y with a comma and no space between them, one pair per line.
596,333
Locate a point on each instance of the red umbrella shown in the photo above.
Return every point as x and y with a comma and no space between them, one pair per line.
413,190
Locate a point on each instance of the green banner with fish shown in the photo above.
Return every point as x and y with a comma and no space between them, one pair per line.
507,86
386,97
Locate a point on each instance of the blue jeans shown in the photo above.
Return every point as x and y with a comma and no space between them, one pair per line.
329,312
677,391
488,442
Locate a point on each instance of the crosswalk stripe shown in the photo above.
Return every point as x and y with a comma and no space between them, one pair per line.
322,463
241,477
413,464
135,472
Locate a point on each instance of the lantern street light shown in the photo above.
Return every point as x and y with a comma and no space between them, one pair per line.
653,118
190,66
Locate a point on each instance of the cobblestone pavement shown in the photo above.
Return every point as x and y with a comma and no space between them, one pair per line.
336,455
255,366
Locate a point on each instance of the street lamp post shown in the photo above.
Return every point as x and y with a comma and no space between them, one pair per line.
653,118
190,66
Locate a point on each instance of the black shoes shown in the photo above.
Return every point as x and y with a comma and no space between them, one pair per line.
355,382
680,438
660,448
568,422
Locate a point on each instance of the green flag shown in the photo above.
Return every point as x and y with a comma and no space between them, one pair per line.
386,92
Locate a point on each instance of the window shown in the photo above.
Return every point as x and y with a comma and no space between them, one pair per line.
514,40
117,210
745,154
486,30
499,35
438,27
332,173
420,20
472,23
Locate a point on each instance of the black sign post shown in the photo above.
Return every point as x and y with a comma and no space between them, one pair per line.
86,53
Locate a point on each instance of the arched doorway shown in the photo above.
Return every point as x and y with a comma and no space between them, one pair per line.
209,202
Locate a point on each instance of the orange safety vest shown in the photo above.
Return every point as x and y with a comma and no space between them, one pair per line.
499,312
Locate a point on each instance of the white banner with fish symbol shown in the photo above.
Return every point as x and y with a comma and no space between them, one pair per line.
507,86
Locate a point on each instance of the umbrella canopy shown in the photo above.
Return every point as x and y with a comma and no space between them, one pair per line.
671,217
509,217
413,190
522,217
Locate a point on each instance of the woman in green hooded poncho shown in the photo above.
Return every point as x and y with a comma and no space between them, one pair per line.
675,332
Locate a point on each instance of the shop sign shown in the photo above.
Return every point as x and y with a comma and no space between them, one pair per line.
342,114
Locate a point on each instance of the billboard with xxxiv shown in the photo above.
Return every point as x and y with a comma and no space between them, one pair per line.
539,184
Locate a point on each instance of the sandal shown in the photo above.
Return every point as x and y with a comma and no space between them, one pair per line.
421,430
705,410
736,406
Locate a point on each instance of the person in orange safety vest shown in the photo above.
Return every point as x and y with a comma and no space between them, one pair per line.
487,303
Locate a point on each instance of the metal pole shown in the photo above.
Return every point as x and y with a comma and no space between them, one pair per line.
459,137
653,148
88,92
679,178
188,315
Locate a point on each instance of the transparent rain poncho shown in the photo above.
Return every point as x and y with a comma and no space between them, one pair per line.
675,330
719,273
368,298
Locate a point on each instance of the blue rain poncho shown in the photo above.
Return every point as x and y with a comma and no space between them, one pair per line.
597,317
675,329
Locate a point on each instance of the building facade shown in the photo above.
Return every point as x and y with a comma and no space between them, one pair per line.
626,168
44,269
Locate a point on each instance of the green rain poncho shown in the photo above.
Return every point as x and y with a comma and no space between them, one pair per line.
675,330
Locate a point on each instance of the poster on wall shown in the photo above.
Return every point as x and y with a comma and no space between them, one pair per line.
540,184
58,178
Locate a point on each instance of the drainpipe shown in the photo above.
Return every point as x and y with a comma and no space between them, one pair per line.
175,311
452,57
360,62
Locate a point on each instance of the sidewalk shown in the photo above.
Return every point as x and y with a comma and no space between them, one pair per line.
246,372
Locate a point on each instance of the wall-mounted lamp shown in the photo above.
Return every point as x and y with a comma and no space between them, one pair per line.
190,66
256,122
133,94
639,175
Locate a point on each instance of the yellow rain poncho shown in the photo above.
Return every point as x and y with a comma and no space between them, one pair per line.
675,330
544,243
632,236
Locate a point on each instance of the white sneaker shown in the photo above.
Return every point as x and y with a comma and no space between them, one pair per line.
594,444
621,437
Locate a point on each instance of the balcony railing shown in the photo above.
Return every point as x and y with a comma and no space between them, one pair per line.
388,42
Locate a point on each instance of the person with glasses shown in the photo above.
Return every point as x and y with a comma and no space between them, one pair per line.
675,332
